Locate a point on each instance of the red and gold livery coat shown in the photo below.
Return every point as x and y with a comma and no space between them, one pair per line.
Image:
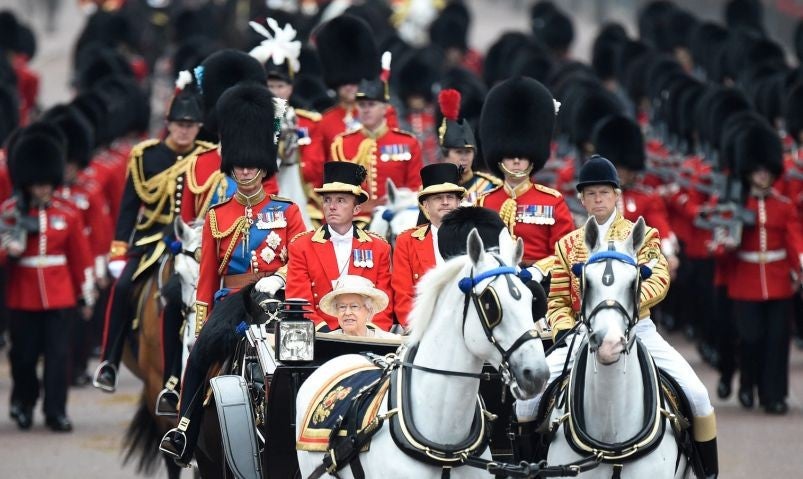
236,251
313,270
771,250
564,290
55,268
535,213
413,255
337,120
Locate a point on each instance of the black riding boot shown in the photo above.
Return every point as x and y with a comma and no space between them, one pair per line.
708,457
524,441
167,401
119,316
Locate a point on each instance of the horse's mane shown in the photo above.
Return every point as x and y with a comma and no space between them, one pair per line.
220,329
428,290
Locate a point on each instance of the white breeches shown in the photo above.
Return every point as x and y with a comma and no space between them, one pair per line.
666,357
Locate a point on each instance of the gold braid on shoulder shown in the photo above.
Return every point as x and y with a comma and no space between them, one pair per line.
235,230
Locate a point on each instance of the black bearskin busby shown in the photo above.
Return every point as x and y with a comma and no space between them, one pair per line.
9,111
603,52
347,50
759,146
619,139
246,114
590,108
78,131
37,156
793,113
220,71
456,226
517,122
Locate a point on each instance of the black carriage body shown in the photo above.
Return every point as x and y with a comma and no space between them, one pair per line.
279,459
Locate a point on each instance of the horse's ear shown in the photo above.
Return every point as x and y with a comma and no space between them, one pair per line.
591,234
637,234
179,227
518,253
391,189
474,246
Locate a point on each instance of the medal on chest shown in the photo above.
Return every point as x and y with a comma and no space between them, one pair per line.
58,223
535,214
363,258
395,153
269,220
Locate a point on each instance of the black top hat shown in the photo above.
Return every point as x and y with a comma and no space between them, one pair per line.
344,177
440,178
597,171
454,134
185,106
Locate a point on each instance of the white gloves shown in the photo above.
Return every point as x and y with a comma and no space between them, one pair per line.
270,284
116,267
536,273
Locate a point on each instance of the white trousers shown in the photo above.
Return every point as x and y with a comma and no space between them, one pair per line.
666,357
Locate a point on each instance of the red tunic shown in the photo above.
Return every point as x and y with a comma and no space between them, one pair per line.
337,120
535,213
770,251
413,255
310,146
56,263
389,154
643,201
87,198
27,85
313,269
227,254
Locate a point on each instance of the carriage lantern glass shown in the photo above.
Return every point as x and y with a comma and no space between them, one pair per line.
295,334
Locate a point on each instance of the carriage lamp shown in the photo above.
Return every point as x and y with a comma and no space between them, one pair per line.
295,333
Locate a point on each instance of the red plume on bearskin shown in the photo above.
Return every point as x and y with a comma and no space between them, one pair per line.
449,101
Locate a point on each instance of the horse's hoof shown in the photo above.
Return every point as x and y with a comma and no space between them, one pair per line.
167,403
746,398
105,377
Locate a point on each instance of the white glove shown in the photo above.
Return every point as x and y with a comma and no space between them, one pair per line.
116,267
536,273
270,284
100,266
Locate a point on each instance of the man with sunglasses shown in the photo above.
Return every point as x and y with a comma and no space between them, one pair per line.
599,191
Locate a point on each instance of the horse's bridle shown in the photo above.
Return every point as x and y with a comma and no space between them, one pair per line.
607,279
490,311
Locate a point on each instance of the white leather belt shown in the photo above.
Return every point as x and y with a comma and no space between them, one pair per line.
762,256
43,261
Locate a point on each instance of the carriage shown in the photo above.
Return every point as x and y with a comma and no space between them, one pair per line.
267,448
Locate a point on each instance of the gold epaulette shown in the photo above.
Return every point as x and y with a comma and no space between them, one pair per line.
547,190
481,199
403,132
299,235
310,115
420,232
281,198
205,145
336,149
371,234
140,147
487,176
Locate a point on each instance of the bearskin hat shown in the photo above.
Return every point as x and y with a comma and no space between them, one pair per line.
706,40
654,24
347,50
456,226
746,14
417,75
555,30
220,71
793,113
727,102
97,63
310,93
798,41
619,139
627,52
9,28
450,29
246,113
191,52
37,156
593,106
77,130
603,52
517,120
734,127
759,146
498,60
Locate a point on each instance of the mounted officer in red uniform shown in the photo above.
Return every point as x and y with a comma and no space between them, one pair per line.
516,130
319,258
416,250
45,247
459,147
155,185
245,241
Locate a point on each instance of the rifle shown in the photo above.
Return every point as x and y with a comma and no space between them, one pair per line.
16,224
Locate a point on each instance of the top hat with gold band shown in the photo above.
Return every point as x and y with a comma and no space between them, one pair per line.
344,177
453,133
440,178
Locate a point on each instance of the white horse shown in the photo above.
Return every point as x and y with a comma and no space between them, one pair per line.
289,176
399,213
186,265
497,327
615,413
